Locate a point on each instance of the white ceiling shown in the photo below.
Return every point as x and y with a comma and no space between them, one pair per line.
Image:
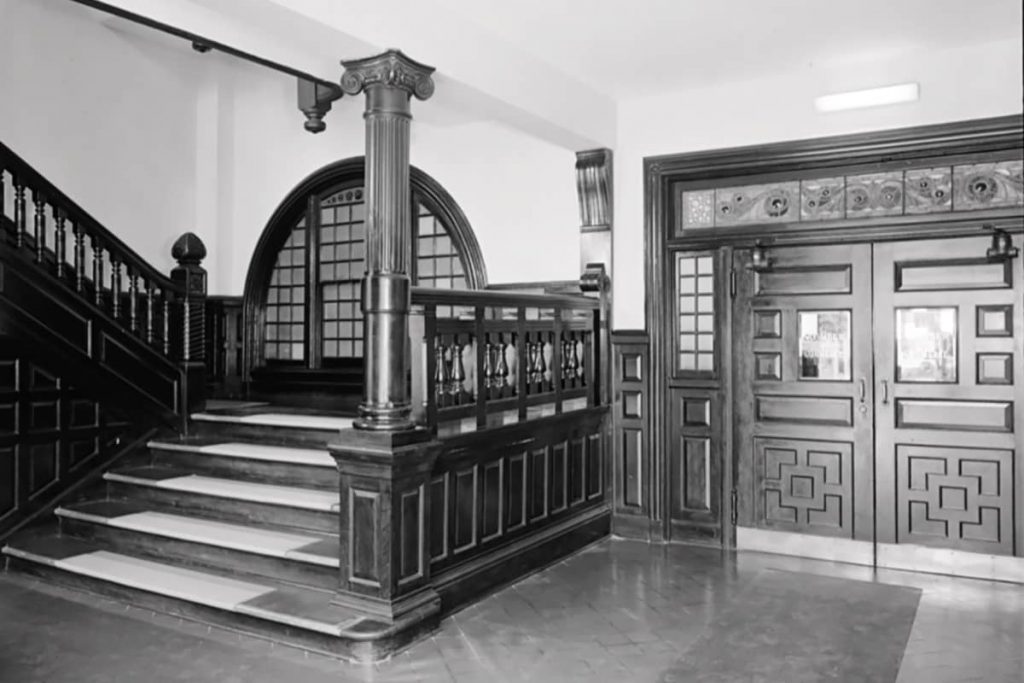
629,48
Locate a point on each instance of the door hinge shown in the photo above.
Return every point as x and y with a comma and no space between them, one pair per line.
733,497
732,283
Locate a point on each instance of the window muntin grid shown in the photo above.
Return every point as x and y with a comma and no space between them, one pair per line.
285,330
695,301
339,248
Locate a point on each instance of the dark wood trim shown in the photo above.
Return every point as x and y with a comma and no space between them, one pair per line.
631,409
965,140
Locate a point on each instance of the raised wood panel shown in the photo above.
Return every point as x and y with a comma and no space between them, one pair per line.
824,410
48,312
491,500
363,514
694,465
955,497
630,428
559,477
994,321
439,506
540,476
464,509
577,471
927,276
828,279
410,534
138,370
517,493
502,485
49,433
974,416
995,368
804,485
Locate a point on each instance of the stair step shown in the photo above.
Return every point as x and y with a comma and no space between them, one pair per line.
271,419
300,547
312,457
305,609
187,482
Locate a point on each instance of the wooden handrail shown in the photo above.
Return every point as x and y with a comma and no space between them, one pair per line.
28,177
542,355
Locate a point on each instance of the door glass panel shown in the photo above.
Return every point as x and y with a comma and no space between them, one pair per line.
926,342
825,345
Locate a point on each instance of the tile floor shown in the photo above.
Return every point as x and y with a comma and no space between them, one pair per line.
619,611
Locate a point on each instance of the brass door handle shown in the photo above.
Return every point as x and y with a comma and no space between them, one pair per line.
885,392
863,389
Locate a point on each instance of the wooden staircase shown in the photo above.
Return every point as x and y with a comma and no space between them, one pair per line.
235,525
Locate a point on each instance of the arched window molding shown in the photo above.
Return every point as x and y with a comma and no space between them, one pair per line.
432,204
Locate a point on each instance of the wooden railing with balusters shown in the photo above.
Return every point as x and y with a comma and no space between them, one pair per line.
487,358
44,234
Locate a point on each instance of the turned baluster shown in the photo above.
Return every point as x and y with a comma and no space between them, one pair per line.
115,287
501,367
133,300
60,239
574,359
441,370
19,213
488,365
79,257
3,195
97,271
458,369
531,361
149,313
39,224
166,315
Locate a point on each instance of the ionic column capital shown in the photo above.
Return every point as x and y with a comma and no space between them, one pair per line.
391,69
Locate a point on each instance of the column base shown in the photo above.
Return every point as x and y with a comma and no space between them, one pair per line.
416,606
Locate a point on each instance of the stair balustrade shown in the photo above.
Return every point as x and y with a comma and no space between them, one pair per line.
487,358
165,313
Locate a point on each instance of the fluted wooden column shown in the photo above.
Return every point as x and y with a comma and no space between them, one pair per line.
389,81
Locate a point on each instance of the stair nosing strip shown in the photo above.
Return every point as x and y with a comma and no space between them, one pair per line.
197,450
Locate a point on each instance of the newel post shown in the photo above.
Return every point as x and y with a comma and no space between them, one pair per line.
385,461
189,327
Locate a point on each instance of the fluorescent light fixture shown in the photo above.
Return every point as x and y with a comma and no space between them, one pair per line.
874,97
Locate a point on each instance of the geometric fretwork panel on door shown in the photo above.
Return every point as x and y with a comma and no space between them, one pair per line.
955,497
805,486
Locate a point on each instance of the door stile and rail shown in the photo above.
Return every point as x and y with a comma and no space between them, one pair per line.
45,233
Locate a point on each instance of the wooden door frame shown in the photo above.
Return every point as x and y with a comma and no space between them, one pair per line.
664,176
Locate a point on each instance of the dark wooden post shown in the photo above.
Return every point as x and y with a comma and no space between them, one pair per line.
384,463
190,276
389,81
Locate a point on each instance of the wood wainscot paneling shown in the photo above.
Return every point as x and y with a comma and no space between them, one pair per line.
509,500
631,433
51,434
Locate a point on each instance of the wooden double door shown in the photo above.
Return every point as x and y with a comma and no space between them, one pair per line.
878,398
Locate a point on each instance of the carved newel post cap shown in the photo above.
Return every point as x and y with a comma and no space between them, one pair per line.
188,249
391,68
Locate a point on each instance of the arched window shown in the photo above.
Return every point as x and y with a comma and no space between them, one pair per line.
302,291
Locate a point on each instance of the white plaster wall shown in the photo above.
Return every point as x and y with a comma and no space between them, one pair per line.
518,192
105,115
956,84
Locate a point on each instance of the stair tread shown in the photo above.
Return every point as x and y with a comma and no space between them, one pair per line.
252,538
186,481
278,419
316,457
304,608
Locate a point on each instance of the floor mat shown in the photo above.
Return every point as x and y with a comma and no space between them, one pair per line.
796,627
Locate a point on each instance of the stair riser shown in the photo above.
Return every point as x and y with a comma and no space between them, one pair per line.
343,648
225,509
279,436
200,555
259,471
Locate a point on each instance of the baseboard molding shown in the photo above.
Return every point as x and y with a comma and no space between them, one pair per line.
951,562
805,545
